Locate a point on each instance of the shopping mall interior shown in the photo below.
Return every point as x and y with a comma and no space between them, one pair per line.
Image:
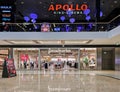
59,45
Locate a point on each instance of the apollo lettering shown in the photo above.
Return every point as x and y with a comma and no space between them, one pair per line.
66,7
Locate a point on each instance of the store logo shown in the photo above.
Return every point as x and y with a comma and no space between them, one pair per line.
66,7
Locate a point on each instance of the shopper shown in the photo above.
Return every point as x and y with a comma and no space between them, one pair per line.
46,65
25,65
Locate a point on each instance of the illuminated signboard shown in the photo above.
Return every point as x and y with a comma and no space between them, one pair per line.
61,9
7,14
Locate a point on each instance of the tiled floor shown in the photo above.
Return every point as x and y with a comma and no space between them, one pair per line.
61,81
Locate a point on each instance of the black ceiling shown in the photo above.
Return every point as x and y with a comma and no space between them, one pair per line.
110,9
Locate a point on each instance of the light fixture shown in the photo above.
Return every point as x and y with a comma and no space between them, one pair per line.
33,16
22,2
26,18
88,18
115,2
62,18
86,12
72,20
22,42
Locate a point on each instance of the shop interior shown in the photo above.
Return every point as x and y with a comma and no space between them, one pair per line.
26,58
59,58
3,55
88,58
55,58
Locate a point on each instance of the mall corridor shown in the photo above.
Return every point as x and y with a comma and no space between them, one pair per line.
59,45
62,81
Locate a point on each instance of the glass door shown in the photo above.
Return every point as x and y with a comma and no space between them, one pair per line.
26,58
59,59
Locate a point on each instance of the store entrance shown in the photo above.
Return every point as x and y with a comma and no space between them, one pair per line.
59,59
26,58
55,58
88,59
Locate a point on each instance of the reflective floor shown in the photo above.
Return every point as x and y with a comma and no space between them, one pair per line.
61,81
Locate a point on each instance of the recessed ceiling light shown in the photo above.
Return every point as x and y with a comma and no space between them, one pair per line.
40,2
115,2
102,3
117,43
52,2
22,2
102,27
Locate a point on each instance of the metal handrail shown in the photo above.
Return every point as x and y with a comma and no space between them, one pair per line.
73,23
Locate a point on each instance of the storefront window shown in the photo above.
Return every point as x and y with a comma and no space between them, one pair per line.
57,58
88,58
26,58
3,56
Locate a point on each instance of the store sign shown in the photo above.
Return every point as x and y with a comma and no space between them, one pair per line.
60,51
6,13
59,8
66,7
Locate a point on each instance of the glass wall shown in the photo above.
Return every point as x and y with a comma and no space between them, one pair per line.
3,55
88,57
26,58
55,58
59,58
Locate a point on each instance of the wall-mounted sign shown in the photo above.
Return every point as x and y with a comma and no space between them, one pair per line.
61,9
6,13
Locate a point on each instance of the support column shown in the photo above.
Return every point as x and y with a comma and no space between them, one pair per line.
99,58
10,53
97,14
98,10
78,59
39,60
117,59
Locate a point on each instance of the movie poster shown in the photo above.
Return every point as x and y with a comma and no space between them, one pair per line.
45,27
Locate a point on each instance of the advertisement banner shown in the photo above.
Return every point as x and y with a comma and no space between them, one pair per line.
11,68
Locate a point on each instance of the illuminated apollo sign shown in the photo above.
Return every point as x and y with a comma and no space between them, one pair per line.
66,7
72,9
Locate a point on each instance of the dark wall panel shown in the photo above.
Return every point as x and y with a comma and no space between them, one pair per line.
108,59
117,59
99,58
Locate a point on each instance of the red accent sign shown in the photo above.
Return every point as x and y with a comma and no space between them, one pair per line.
66,7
